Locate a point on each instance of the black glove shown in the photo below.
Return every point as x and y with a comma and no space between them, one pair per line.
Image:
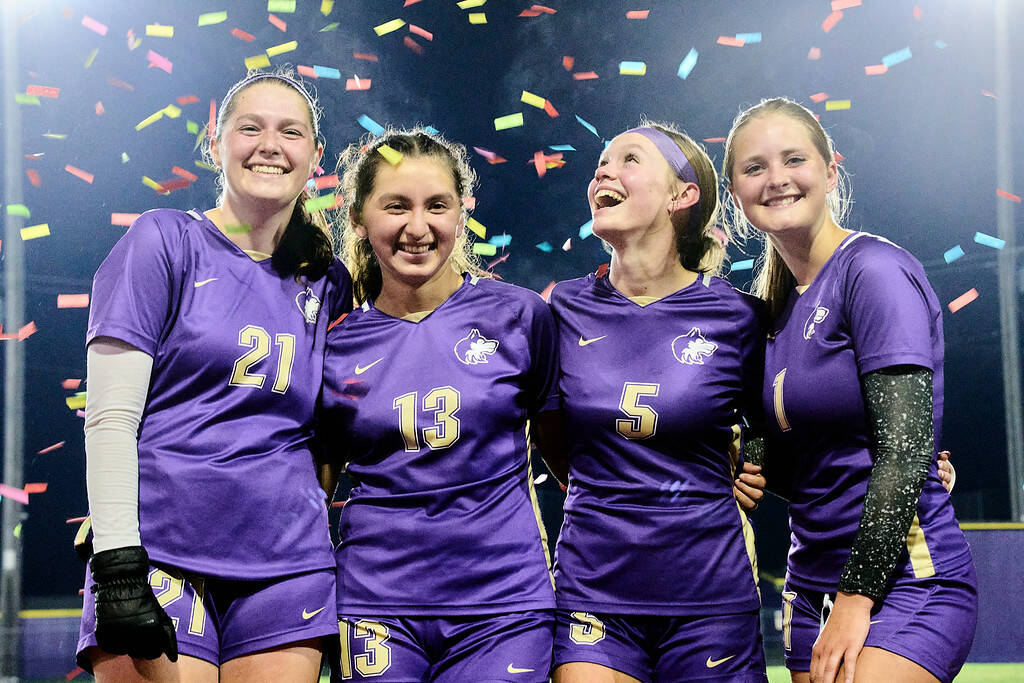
129,621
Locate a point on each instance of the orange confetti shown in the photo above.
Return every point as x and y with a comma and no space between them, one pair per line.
714,139
100,111
307,71
42,91
875,69
731,41
421,32
50,449
413,45
1006,195
567,63
542,8
120,84
79,173
638,14
72,301
187,99
39,487
365,56
325,181
814,53
410,2
529,13
123,218
239,33
27,331
357,83
584,75
177,170
71,383
279,23
539,164
33,177
830,21
550,109
962,300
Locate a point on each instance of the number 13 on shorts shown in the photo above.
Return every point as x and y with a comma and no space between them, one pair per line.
375,657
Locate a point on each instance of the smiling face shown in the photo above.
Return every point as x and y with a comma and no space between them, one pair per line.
779,177
266,149
413,220
632,188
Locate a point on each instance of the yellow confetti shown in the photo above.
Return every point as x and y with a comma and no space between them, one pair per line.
208,167
477,18
92,56
389,26
832,105
393,156
470,4
478,229
257,62
484,249
171,111
149,182
211,18
530,98
159,31
152,118
326,6
282,48
281,6
34,231
56,136
632,68
76,402
509,121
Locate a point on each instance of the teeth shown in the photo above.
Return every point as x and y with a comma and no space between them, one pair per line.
273,170
610,194
785,201
415,248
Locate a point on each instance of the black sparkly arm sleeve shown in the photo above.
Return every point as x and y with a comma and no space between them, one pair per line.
899,408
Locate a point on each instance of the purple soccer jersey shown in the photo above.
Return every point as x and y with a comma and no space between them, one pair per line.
869,307
650,395
431,419
227,485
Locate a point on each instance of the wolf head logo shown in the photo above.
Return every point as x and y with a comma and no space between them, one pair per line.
309,305
474,348
692,348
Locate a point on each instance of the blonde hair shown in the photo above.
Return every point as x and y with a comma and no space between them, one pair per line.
357,168
772,278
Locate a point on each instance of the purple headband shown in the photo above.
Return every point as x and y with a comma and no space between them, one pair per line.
671,151
295,85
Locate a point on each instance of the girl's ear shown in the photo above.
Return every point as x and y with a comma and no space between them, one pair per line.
688,196
357,226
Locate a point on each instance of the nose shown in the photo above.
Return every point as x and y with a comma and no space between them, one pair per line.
269,143
417,226
778,176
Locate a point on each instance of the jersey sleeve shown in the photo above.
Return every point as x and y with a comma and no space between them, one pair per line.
888,312
132,293
753,334
542,338
341,286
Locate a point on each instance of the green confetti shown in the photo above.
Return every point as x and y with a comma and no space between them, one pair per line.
22,98
282,6
18,210
330,27
238,229
211,18
484,249
192,127
320,203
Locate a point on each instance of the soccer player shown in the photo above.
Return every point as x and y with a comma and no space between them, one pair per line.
205,357
430,385
655,566
880,582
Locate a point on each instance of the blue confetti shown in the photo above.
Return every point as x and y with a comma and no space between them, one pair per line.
953,254
743,265
941,44
432,130
686,66
587,229
897,57
370,125
562,148
501,240
989,240
546,247
749,38
326,72
588,126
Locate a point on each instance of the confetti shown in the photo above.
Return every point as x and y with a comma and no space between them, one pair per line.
814,53
330,27
211,18
282,48
18,210
179,171
159,61
393,156
477,228
962,300
545,247
14,493
830,21
33,177
94,25
50,449
79,173
549,109
686,66
159,30
91,57
388,26
242,35
638,14
585,75
989,240
588,126
326,181
365,56
470,4
730,41
71,383
257,61
819,97
897,57
55,136
918,13
98,108
941,44
27,331
412,45
319,203
326,6
38,487
279,23
307,71
838,5
326,72
953,254
502,240
358,83
72,301
749,38
120,84
875,69
587,229
484,249
76,401
34,231
531,99
42,91
508,121
149,182
422,32
282,6
567,245
567,63
152,118
124,219
542,9
743,265
26,99
1007,195
562,148
540,164
632,68
477,18
491,157
833,105
370,125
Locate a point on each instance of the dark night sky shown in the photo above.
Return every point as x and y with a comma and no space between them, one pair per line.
919,144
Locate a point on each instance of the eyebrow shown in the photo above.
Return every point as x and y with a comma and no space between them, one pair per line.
286,122
391,196
629,146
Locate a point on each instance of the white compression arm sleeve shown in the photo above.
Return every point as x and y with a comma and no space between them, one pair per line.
118,382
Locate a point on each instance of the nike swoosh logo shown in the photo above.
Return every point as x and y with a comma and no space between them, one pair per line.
712,663
584,342
200,283
876,621
361,370
310,615
516,670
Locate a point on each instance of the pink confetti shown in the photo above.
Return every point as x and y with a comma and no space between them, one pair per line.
470,203
307,71
42,91
326,181
875,69
638,14
124,219
714,139
51,449
357,83
540,164
100,111
33,177
277,22
179,171
159,61
413,45
989,93
79,173
421,32
918,13
584,75
71,383
187,99
814,53
819,97
1006,195
542,8
731,41
94,25
27,331
14,493
239,33
830,21
962,300
72,301
838,5
568,245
